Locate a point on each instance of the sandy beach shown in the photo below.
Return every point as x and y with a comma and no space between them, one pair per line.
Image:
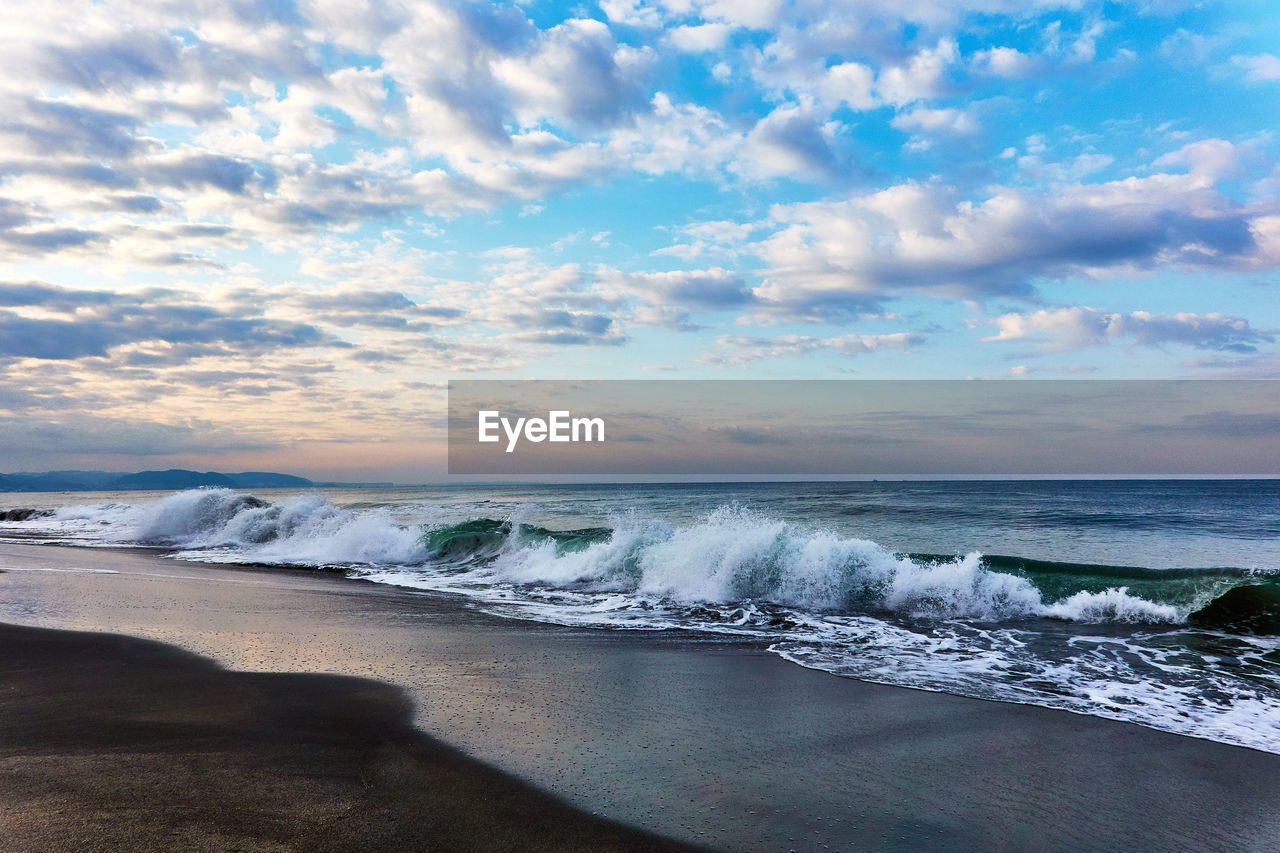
116,743
778,425
575,732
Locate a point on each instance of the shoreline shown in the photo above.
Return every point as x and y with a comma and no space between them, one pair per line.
702,740
118,743
469,605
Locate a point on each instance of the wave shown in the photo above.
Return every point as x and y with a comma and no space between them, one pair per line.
305,530
732,555
1246,609
736,555
1183,650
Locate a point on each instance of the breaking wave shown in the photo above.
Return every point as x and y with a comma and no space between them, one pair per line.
1193,650
732,555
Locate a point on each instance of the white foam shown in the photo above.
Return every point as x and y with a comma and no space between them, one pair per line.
845,605
1111,605
224,525
1158,681
731,555
737,555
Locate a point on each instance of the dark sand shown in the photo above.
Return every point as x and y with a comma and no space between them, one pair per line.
116,743
690,737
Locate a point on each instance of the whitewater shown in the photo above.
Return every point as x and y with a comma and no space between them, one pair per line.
1144,644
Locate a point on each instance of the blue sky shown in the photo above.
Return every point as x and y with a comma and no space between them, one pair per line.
267,233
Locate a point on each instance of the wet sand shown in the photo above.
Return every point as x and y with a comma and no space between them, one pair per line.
116,743
701,740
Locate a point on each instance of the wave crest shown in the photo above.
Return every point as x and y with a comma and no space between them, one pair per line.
736,555
732,555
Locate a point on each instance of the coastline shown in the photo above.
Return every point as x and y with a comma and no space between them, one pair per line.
117,743
699,739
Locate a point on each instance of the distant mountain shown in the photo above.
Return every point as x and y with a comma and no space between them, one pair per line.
268,480
174,478
18,483
73,481
171,480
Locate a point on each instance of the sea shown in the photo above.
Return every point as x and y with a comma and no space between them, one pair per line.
1153,602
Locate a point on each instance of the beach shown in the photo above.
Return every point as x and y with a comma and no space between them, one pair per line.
698,739
116,743
639,425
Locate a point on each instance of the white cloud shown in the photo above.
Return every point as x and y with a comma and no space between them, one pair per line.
743,350
634,13
825,259
923,76
709,288
926,120
794,139
1188,48
676,138
289,128
699,38
850,83
753,14
1074,328
1007,62
576,73
1263,67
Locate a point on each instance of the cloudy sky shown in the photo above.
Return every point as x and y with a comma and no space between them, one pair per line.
264,233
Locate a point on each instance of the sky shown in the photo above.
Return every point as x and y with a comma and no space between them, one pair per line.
915,429
264,234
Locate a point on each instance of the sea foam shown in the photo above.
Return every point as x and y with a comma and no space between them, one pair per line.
733,554
818,597
738,555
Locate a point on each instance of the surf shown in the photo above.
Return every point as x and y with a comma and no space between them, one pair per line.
1187,649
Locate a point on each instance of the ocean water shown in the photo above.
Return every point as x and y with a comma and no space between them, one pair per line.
1155,602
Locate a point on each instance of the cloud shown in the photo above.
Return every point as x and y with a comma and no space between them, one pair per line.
385,309
699,38
1188,48
1007,62
927,125
825,259
746,435
709,288
576,73
316,185
742,350
794,139
1263,67
851,84
635,13
1074,328
43,126
93,323
283,120
184,170
503,110
753,14
923,119
565,328
76,433
530,301
924,75
796,66
722,237
1222,424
